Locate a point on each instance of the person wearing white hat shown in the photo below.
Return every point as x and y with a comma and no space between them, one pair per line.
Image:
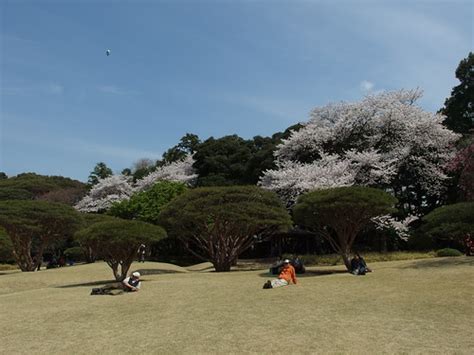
132,283
287,275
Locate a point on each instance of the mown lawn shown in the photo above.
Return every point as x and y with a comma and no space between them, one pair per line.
416,306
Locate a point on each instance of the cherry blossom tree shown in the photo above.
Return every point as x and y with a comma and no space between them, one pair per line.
179,171
117,188
400,227
112,189
385,141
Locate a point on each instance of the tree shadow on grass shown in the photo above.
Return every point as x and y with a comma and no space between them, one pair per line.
439,262
158,271
310,273
114,282
94,283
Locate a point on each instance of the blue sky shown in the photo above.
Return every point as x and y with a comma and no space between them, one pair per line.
206,67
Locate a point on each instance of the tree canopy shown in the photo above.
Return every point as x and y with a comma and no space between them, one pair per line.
339,214
188,145
101,171
33,225
232,160
30,186
147,205
90,246
384,141
117,241
459,107
222,161
450,222
219,223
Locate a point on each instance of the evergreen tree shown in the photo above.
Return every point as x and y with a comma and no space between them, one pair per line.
459,108
101,171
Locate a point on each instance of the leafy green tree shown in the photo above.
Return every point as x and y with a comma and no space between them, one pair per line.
8,193
459,108
3,175
219,223
188,144
451,222
223,161
127,172
34,225
147,205
90,246
29,186
339,214
118,241
141,168
262,154
101,171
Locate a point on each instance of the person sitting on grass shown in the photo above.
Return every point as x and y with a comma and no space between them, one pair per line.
358,265
132,283
287,275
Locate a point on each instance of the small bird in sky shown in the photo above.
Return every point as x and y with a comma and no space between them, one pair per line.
107,52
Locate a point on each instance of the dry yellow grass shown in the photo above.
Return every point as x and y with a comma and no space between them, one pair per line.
422,306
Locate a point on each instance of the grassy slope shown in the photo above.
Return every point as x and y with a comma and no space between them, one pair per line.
404,306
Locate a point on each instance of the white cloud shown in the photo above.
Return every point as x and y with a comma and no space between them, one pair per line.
115,90
111,151
366,85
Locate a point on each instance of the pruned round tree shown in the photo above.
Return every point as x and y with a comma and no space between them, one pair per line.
339,214
118,240
219,223
452,222
90,246
33,225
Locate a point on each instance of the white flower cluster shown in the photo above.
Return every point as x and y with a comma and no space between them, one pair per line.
292,178
111,189
401,228
180,171
374,140
117,188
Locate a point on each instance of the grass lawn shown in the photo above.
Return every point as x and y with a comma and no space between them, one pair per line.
414,306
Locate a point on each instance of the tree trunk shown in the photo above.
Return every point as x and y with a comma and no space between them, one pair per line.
346,257
124,267
383,242
117,275
222,266
89,254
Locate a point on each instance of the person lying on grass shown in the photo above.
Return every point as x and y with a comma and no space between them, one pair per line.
287,275
358,265
132,283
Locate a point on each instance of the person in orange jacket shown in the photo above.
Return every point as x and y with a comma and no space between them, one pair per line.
286,276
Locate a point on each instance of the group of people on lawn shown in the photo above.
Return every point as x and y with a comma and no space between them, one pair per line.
286,276
287,273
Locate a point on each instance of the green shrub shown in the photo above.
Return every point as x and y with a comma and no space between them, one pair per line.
448,252
75,253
